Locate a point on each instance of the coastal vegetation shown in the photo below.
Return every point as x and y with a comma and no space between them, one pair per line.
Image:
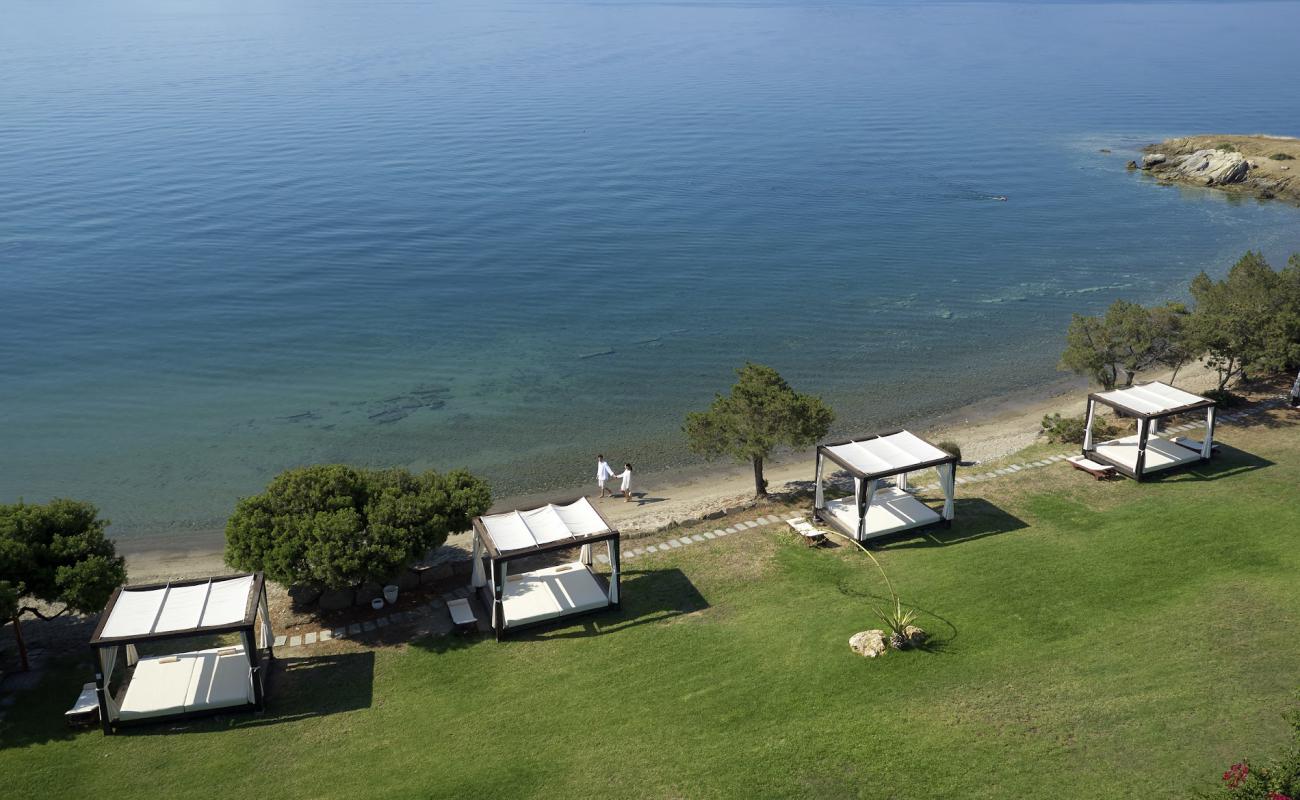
1112,349
333,526
1073,624
759,414
1247,323
54,560
1070,430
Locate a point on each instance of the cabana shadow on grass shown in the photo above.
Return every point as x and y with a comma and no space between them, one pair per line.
977,518
656,595
1228,462
300,694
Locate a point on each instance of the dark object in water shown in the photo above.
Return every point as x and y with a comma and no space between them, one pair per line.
303,417
606,352
390,415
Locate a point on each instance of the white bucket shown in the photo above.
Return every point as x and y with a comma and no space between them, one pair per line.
377,603
390,594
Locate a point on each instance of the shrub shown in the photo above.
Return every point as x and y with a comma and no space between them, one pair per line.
1070,430
335,526
1225,398
1275,780
951,448
1227,147
1282,157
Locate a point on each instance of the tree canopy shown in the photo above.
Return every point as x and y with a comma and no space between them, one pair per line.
1128,339
760,414
58,553
1248,322
336,526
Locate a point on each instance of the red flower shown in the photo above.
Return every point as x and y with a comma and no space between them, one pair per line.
1236,774
1277,796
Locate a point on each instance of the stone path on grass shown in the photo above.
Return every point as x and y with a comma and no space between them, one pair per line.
433,619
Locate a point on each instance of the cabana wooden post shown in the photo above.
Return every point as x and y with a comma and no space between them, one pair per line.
528,599
875,511
1145,452
189,684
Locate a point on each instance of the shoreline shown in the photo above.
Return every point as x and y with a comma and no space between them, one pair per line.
1261,166
986,429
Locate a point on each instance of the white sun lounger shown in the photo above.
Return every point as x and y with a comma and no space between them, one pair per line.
810,534
86,710
1096,469
1192,444
462,615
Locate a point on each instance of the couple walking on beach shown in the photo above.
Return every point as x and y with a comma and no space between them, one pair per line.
604,472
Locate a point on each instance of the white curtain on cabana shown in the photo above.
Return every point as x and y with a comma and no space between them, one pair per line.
819,501
613,572
108,660
266,631
478,579
1207,444
584,554
872,485
1087,429
502,576
948,480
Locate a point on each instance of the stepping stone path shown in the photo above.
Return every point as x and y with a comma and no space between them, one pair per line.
429,618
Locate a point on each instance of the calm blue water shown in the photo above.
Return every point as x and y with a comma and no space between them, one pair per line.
237,236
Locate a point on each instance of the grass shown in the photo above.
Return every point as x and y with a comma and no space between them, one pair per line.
1092,640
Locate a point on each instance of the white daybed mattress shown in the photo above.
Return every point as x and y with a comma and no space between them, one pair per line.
1161,453
187,682
552,592
892,510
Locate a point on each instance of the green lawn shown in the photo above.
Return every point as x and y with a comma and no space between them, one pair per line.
1092,640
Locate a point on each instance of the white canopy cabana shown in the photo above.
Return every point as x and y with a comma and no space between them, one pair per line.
1146,452
531,598
183,684
876,510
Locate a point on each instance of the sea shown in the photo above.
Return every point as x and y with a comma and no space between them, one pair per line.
238,236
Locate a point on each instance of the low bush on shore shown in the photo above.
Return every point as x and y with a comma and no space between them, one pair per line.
1071,430
1282,157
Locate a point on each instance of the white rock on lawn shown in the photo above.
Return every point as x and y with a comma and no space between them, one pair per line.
868,643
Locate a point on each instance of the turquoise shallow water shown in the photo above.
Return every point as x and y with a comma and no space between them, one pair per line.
238,236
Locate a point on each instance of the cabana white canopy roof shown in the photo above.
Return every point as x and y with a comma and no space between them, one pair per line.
876,510
523,530
524,599
139,613
888,454
190,683
1153,399
1146,452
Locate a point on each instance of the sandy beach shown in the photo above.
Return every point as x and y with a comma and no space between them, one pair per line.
985,431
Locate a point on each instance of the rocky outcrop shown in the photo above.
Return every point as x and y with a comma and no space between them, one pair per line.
1242,164
1211,167
916,637
868,644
